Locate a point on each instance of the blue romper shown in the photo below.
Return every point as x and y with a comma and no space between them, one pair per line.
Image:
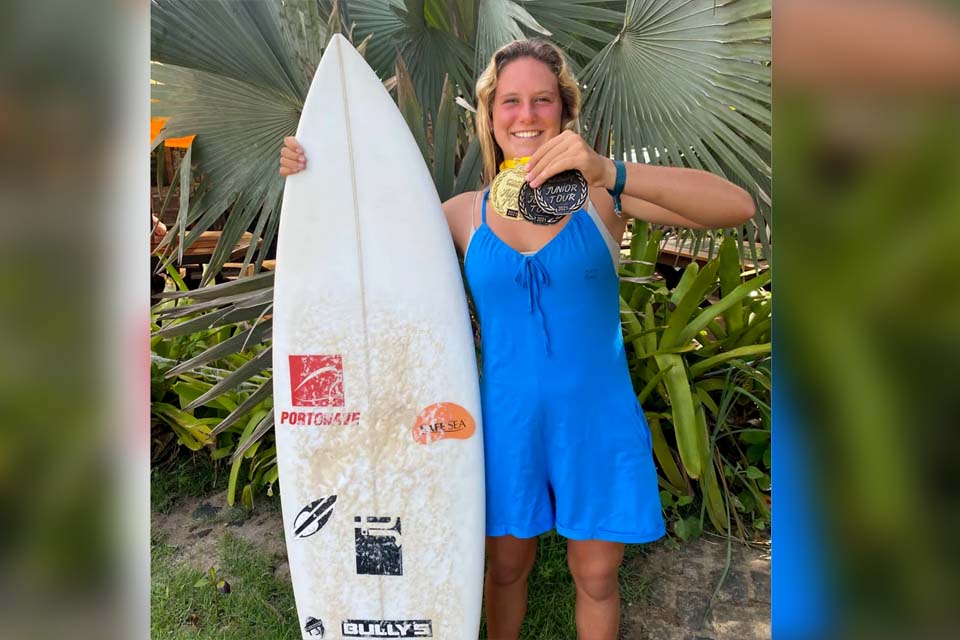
565,441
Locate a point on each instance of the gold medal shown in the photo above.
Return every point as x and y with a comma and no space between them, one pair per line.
505,192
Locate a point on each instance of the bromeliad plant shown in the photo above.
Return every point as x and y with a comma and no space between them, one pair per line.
699,356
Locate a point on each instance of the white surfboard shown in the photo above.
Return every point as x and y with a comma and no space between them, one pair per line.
378,425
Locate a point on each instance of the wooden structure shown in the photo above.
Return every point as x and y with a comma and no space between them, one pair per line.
198,255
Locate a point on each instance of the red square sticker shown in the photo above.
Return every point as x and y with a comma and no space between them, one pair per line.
316,381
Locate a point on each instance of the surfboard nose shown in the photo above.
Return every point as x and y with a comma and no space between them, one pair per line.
339,40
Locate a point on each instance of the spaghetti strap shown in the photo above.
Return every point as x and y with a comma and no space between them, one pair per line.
483,207
473,210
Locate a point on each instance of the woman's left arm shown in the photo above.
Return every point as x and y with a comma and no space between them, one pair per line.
687,197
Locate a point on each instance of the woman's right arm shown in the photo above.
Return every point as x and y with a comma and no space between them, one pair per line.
292,159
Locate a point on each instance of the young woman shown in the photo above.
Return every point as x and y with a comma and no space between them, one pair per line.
565,442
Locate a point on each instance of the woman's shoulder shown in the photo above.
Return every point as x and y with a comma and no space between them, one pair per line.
461,212
462,206
461,201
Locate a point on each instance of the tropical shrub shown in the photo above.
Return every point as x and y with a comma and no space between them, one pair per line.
207,395
698,356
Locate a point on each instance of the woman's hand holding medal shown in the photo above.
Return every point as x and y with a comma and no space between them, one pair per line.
569,151
551,185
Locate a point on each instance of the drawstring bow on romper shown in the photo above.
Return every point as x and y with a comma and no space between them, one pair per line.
531,276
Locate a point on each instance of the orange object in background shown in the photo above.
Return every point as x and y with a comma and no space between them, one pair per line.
156,124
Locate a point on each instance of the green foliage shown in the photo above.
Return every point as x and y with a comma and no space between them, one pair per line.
186,603
699,356
213,581
222,406
193,475
685,527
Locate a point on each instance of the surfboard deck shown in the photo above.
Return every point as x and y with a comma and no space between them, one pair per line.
376,398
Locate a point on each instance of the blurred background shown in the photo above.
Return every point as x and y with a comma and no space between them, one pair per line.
867,338
867,212
74,441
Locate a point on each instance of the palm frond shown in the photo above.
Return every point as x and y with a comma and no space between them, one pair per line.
239,128
412,111
471,166
382,21
445,143
242,40
581,27
305,27
218,306
673,88
499,22
235,73
432,54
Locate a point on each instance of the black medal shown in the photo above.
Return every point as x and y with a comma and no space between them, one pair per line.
562,194
530,211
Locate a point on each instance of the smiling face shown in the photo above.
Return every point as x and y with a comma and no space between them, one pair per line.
527,108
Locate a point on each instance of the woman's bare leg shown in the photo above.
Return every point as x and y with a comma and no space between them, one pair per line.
505,586
595,565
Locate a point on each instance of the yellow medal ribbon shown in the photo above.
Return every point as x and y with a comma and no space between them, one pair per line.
515,162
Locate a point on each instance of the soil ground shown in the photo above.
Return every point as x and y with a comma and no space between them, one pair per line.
682,579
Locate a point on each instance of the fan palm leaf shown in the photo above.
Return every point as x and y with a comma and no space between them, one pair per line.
239,129
246,40
432,53
500,22
581,27
382,21
676,87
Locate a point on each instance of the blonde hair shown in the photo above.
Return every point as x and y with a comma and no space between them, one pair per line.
542,51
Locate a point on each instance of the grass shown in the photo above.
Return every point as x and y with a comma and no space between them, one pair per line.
188,475
259,607
550,593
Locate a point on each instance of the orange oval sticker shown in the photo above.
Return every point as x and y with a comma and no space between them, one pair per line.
443,420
